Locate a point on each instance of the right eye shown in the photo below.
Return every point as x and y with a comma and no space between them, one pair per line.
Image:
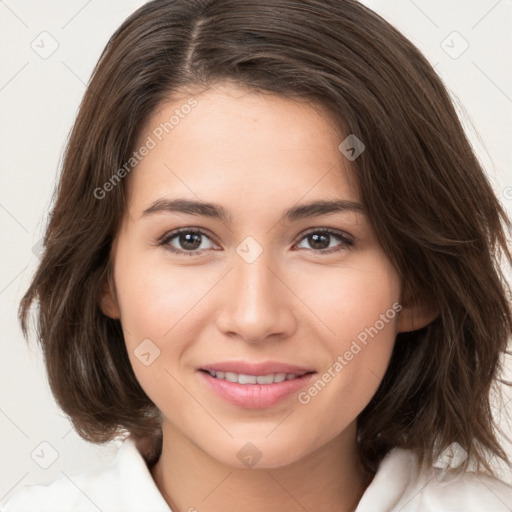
190,240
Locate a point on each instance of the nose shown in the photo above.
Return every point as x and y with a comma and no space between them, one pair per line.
257,303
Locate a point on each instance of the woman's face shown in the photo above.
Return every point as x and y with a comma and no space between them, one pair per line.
256,292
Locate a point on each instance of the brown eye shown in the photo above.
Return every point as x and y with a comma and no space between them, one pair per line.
320,240
185,241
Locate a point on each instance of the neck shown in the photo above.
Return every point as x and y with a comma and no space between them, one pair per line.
330,478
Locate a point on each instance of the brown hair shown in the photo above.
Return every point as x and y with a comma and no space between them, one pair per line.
425,193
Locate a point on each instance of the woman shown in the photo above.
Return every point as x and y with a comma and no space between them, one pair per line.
329,340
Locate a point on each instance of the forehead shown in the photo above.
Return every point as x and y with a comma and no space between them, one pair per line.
241,147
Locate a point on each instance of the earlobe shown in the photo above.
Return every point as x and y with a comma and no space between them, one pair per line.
416,317
108,300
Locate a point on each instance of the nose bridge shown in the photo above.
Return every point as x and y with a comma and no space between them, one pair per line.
253,279
257,303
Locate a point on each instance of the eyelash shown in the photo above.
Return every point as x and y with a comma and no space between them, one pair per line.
346,241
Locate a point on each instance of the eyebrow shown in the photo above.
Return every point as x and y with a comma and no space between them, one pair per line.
215,211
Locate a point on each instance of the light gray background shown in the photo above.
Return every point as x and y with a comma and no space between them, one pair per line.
39,97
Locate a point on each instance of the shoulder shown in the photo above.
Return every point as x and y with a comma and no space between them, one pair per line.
83,492
125,484
401,485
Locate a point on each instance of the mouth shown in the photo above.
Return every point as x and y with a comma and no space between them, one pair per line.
254,386
244,378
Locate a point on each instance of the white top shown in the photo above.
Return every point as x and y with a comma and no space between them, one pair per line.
126,485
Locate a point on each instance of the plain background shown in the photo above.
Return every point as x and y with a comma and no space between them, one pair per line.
39,97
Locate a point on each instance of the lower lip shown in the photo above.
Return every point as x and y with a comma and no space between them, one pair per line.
255,396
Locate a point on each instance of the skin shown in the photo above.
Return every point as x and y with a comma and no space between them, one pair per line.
256,155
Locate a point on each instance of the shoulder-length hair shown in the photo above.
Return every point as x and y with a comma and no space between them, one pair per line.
426,195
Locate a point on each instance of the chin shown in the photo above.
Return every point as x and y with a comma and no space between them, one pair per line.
259,453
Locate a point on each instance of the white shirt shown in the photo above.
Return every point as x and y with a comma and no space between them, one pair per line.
126,485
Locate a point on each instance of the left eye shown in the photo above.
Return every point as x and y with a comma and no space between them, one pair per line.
321,237
191,241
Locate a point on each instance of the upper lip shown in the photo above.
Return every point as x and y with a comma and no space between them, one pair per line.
264,368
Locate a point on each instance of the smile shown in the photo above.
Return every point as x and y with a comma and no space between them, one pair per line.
254,391
242,378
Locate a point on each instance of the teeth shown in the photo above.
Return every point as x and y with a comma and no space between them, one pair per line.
247,379
242,378
265,379
231,377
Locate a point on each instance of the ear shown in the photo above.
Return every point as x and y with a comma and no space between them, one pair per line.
415,317
108,300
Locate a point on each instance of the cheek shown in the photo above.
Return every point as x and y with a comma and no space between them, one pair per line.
360,308
155,297
348,299
157,308
162,313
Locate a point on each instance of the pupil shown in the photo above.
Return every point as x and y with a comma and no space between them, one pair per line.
316,238
185,239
